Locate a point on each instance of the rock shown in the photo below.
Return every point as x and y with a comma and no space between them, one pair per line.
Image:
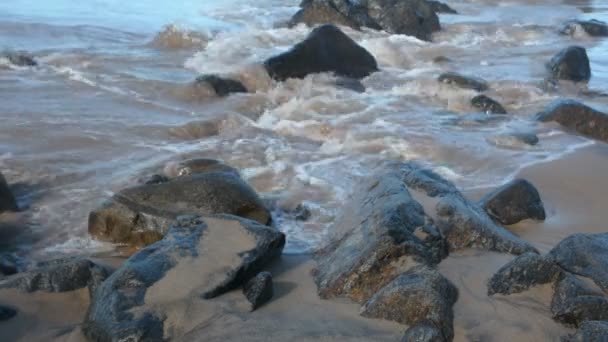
351,84
590,331
326,49
513,202
578,117
19,58
585,255
423,332
156,179
7,313
142,215
8,265
419,295
221,86
440,7
259,290
462,81
7,200
411,17
570,64
574,302
487,105
522,273
197,165
200,258
594,28
59,275
514,139
475,119
441,60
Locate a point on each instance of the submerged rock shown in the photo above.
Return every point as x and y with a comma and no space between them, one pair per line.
142,215
326,49
221,86
570,64
522,273
462,81
421,295
351,84
7,200
513,202
196,166
590,331
7,313
487,105
575,302
514,139
594,28
207,256
259,290
423,332
578,117
19,58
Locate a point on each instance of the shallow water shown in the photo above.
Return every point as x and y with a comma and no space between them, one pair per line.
110,97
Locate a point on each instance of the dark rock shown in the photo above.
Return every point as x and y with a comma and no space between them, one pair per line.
156,179
351,84
513,202
570,64
423,332
19,58
411,17
421,295
574,302
590,331
7,200
440,7
207,256
578,117
221,86
487,105
7,313
142,215
523,272
8,265
197,165
326,49
259,290
514,139
301,213
441,60
462,81
585,255
59,275
594,28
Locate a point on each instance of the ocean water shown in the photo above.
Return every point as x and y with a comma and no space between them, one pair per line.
110,102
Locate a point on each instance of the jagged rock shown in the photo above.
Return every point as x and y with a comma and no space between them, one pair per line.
7,313
487,105
594,28
215,254
570,64
513,202
574,302
259,290
326,49
462,81
440,7
421,295
142,215
578,117
523,272
585,255
19,58
58,276
590,331
7,200
197,165
221,86
423,332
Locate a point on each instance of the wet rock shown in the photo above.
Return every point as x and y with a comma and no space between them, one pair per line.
578,117
7,200
462,81
590,331
487,105
423,332
59,275
421,295
141,215
259,290
514,139
8,265
156,179
513,202
7,313
574,302
522,273
196,166
221,86
207,256
476,119
351,84
441,60
440,7
585,255
411,17
326,49
19,58
594,28
570,64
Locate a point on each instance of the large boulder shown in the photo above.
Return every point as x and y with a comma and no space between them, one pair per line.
578,117
570,64
7,200
326,49
590,331
143,214
416,18
421,295
513,202
200,258
523,272
575,302
423,332
463,81
594,28
441,7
